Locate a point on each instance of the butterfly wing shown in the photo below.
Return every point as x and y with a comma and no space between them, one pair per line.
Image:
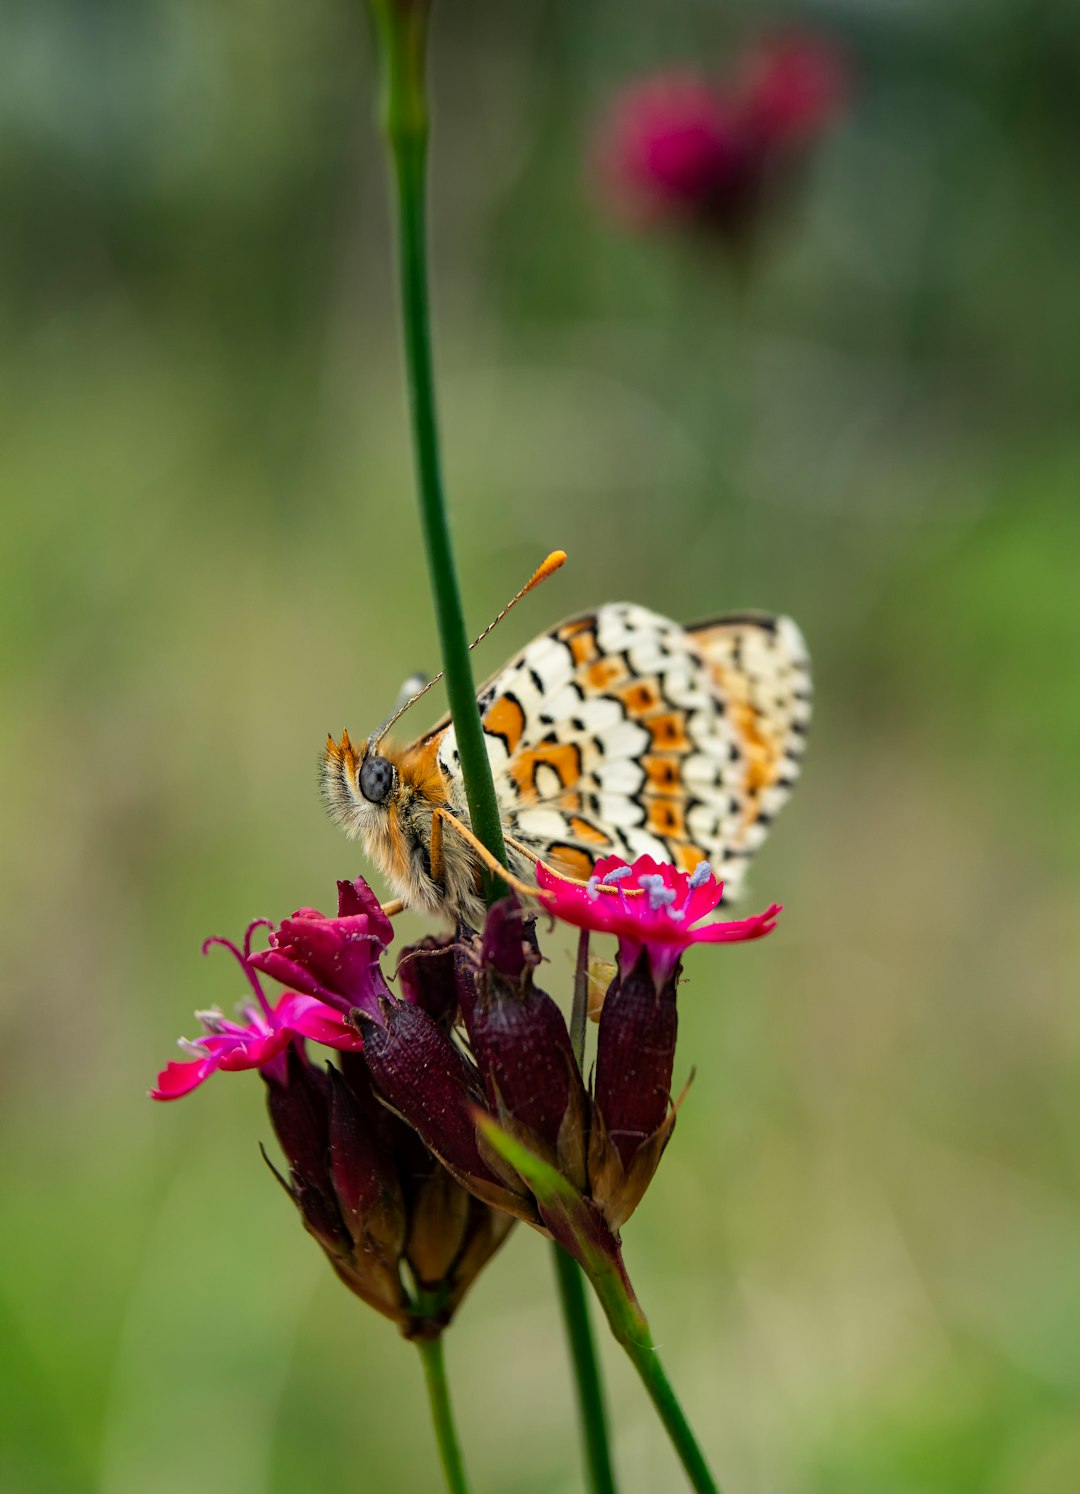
620,731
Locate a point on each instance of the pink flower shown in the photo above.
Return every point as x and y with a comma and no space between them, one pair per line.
681,146
793,86
261,1037
674,147
650,905
333,959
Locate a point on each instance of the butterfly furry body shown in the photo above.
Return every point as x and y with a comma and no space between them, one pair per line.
616,732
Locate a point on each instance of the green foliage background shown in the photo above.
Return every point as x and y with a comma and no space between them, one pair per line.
860,1257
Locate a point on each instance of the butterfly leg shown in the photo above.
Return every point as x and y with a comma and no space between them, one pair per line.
435,855
523,850
395,906
493,866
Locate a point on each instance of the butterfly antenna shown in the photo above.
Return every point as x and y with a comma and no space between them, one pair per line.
554,562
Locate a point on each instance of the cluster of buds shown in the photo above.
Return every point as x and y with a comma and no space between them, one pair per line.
458,1105
512,1119
681,147
396,1227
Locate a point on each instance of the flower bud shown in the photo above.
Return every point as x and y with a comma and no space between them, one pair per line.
522,1048
430,1083
396,1227
633,1113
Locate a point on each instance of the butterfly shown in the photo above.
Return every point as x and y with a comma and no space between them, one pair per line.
617,732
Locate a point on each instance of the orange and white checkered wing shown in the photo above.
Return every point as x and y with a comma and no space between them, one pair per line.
620,731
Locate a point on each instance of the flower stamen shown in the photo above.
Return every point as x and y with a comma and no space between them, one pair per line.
243,959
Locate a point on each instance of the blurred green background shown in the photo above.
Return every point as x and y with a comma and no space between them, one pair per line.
861,1257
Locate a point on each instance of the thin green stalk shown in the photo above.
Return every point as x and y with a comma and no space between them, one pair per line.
632,1331
590,1391
402,31
579,1010
442,1417
575,1308
571,1218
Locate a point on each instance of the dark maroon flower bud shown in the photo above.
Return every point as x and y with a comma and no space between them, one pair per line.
509,949
427,977
635,1055
426,1080
362,1165
466,970
396,1227
310,1113
633,1114
522,1048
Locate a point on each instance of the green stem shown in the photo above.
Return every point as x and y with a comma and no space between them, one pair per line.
579,1010
591,1409
402,34
442,1417
632,1331
575,1308
576,1221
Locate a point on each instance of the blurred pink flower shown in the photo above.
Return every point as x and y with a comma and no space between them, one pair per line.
259,1038
682,147
792,87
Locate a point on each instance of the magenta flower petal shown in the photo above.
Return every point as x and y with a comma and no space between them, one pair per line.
649,905
303,1016
233,1046
179,1079
333,959
357,898
739,929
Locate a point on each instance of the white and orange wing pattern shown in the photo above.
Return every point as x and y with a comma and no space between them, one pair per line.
619,731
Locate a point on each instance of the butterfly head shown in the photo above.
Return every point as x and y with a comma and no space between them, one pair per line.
381,787
360,783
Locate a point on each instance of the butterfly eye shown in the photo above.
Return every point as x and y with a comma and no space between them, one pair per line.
376,779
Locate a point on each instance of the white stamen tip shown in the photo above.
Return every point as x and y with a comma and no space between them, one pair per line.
617,873
195,1049
700,875
660,895
592,888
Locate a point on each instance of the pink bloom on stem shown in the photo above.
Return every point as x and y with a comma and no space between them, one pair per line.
793,87
650,905
333,959
684,146
257,1040
673,147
